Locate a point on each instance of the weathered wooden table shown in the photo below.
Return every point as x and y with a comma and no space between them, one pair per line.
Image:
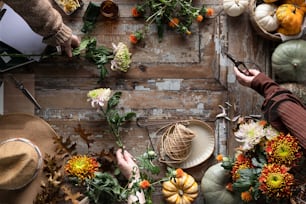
178,78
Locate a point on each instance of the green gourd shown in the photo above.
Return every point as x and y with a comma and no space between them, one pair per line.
289,61
213,186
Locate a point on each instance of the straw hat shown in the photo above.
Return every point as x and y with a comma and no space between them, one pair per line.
24,140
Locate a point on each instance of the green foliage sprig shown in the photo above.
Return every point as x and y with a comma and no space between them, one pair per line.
100,55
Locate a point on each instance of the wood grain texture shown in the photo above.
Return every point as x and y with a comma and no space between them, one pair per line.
178,78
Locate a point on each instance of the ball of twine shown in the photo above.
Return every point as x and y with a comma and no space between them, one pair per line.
176,142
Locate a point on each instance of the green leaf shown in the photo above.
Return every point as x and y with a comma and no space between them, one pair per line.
160,28
128,116
114,100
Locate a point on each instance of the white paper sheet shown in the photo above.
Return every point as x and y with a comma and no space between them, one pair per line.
15,32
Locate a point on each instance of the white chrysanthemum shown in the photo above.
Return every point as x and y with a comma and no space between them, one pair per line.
271,132
250,134
99,96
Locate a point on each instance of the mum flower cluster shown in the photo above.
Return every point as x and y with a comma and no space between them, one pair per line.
262,169
176,14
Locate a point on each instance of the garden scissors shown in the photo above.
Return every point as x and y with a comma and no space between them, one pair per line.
21,87
239,64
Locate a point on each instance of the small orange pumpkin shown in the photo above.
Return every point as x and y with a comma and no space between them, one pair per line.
290,18
183,190
299,3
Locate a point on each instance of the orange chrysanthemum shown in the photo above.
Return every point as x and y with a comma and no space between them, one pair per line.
210,12
246,196
135,12
241,162
283,149
276,181
174,22
144,184
200,18
82,167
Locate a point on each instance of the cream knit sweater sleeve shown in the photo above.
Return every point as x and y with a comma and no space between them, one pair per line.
43,19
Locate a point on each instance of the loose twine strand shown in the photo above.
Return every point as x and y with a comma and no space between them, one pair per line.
175,143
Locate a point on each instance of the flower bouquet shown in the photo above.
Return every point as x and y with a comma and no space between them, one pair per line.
176,14
265,168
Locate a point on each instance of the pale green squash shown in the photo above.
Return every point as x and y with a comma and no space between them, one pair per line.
289,61
213,186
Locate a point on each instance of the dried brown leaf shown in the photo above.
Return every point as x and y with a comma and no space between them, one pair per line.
85,136
71,196
64,145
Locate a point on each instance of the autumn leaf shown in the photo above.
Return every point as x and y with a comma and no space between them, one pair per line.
85,136
71,196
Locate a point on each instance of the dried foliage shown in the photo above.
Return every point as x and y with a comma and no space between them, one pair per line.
85,136
56,188
64,145
70,195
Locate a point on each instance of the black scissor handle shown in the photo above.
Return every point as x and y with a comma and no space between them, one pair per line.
238,64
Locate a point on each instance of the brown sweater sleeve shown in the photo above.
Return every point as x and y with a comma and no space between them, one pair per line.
43,19
281,108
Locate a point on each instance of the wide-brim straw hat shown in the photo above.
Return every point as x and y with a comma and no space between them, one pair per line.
39,133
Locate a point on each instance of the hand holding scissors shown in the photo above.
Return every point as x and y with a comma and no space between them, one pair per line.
239,64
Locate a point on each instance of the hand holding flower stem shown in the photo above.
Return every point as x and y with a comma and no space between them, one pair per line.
99,97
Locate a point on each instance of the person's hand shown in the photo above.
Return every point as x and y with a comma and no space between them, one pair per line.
68,45
126,163
243,79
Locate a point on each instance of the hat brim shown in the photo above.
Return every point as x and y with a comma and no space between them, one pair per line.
202,146
40,133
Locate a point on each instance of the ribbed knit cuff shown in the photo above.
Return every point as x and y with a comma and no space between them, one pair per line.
263,84
60,37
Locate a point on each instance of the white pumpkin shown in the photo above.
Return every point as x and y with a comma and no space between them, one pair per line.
235,7
265,15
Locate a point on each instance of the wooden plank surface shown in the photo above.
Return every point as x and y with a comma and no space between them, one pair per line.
178,78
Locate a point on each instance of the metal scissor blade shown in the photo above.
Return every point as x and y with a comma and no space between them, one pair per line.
21,87
31,98
231,58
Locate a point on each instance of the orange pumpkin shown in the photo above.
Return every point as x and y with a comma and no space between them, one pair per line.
299,3
182,190
290,18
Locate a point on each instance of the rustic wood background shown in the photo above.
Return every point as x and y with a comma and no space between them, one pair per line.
178,78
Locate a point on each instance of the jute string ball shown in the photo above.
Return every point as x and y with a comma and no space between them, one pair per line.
175,143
